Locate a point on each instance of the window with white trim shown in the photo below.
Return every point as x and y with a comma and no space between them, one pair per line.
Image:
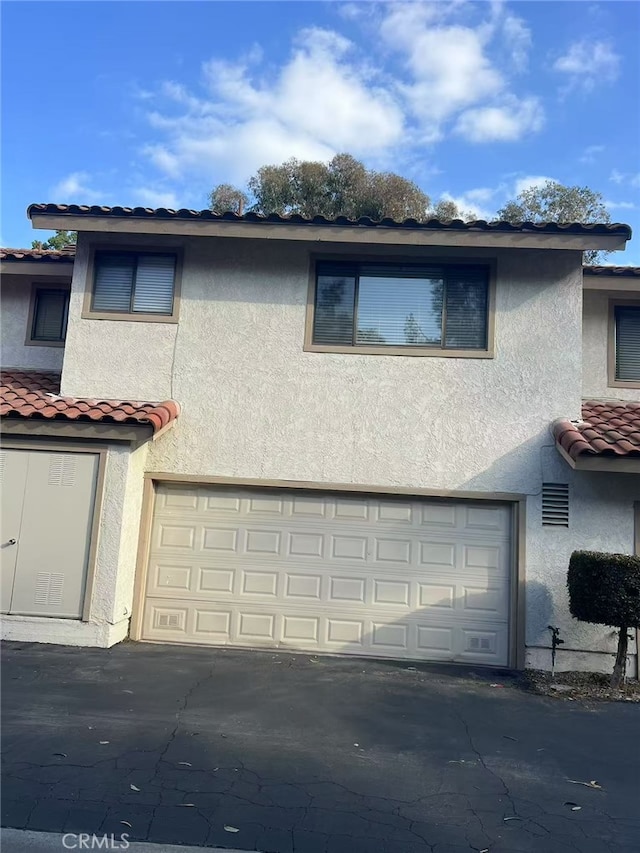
134,283
376,305
627,343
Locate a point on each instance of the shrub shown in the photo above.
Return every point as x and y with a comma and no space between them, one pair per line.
605,589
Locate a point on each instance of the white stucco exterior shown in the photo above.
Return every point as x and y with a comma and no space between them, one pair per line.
255,405
16,297
595,325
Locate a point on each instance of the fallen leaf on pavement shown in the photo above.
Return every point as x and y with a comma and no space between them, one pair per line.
126,823
591,784
496,685
231,828
505,819
508,737
185,763
60,754
134,788
573,806
187,805
102,742
127,691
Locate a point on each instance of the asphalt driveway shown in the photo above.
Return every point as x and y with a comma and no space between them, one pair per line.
306,755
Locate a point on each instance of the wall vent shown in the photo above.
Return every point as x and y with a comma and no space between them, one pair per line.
555,504
3,462
48,589
62,470
169,620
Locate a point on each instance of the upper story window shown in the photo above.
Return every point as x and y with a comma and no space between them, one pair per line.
133,286
626,343
401,309
48,315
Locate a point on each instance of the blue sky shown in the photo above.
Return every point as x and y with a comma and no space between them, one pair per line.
153,103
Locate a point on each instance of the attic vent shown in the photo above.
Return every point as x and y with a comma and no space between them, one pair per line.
3,460
555,504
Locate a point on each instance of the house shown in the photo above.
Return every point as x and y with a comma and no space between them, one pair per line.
369,438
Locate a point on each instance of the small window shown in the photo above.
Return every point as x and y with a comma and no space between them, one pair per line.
627,343
50,314
134,283
430,308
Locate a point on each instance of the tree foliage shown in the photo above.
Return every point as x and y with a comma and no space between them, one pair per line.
58,241
605,589
554,202
226,198
342,187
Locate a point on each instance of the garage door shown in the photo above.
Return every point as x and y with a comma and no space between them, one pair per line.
362,575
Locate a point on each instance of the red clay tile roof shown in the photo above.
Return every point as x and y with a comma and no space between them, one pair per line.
67,254
606,429
35,394
431,224
621,271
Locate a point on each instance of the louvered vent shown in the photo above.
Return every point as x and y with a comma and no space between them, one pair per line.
555,504
48,589
3,461
62,471
168,620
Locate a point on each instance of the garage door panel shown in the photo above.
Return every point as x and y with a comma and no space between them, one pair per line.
354,574
255,627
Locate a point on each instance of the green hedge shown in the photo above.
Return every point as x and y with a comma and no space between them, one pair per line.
604,588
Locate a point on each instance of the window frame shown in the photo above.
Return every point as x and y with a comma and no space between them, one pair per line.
429,352
612,381
88,312
47,284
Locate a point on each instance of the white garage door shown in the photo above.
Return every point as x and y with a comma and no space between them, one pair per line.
362,575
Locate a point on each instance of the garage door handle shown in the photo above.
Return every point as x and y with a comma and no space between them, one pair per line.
11,542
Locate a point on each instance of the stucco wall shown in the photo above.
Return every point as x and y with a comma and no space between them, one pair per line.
15,297
118,541
255,405
594,347
601,518
114,359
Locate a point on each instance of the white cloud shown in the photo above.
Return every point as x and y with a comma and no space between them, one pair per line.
153,197
632,179
518,38
442,68
590,154
587,63
473,203
318,104
506,123
620,205
75,189
530,182
447,62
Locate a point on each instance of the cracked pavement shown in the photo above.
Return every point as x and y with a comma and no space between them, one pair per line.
306,755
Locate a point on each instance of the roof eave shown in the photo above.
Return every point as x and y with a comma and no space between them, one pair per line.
380,234
602,463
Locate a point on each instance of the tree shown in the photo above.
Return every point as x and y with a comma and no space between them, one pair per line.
225,198
605,589
447,209
342,187
59,240
553,202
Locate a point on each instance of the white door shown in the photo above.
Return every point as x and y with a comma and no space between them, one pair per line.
362,575
47,512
